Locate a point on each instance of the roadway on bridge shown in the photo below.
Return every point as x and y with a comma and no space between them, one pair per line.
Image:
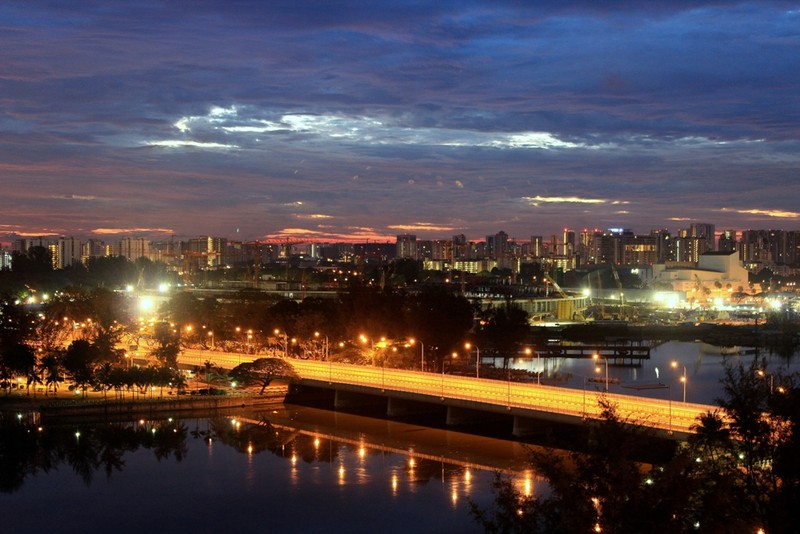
513,397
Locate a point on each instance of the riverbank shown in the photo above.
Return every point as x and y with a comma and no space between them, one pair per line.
69,405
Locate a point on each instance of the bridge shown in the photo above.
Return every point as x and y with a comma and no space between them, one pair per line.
472,399
467,398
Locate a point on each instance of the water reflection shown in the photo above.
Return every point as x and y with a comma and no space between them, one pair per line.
363,468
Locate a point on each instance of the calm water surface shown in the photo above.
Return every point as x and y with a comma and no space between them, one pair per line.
289,470
293,469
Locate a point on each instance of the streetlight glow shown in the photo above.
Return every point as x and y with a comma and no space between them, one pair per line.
468,346
674,365
605,360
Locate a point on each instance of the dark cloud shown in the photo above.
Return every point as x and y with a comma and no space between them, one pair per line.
205,116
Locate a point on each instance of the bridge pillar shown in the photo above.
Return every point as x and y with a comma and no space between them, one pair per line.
465,416
402,407
525,426
348,399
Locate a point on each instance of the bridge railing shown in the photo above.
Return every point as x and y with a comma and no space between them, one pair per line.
657,413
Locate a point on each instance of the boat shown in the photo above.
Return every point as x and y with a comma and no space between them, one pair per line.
722,350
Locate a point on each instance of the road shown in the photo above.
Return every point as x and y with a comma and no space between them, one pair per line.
512,396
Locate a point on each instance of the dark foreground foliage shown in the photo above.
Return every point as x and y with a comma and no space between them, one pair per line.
737,474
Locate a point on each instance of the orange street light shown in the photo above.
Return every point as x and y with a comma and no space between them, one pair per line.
605,360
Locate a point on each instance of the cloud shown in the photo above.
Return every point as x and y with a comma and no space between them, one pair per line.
128,231
313,216
537,200
422,227
377,131
778,214
188,144
376,115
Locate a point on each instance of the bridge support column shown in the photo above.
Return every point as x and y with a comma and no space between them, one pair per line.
402,407
348,399
464,416
524,426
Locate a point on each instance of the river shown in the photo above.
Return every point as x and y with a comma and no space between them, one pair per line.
295,469
288,469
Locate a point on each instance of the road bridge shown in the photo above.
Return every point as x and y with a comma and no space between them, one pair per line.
469,398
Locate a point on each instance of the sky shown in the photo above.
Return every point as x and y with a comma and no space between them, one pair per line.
362,120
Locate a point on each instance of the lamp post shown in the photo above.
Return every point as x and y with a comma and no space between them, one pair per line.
468,346
508,401
364,340
452,356
326,350
669,392
605,360
674,365
285,342
764,374
538,364
422,352
585,379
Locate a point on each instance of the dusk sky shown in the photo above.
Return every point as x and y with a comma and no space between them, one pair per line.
362,120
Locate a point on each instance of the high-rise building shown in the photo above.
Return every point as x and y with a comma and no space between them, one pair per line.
93,248
132,248
537,246
65,251
727,241
407,246
665,245
497,245
705,233
459,250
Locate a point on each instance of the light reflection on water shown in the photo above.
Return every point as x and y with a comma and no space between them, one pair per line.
293,475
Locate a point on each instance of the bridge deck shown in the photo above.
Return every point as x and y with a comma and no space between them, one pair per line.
498,396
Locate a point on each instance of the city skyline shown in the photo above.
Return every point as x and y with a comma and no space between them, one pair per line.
361,121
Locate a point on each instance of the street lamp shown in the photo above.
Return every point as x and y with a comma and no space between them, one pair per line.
285,342
764,374
674,365
326,351
468,346
605,360
453,355
538,365
364,340
422,352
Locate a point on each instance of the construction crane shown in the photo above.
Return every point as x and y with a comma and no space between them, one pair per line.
557,287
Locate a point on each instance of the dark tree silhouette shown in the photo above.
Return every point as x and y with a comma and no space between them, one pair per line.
262,372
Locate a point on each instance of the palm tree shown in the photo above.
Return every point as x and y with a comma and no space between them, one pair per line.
52,370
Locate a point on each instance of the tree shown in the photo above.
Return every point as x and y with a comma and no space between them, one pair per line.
262,372
504,329
440,319
600,489
167,344
80,362
52,370
18,359
737,474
